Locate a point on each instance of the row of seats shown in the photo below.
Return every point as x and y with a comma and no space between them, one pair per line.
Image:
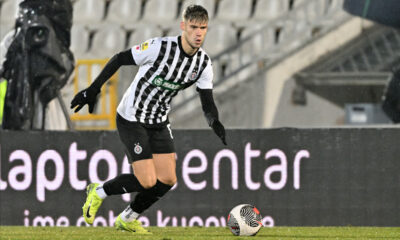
110,39
103,40
160,11
107,39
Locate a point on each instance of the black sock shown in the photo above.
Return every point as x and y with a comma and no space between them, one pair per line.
124,183
148,197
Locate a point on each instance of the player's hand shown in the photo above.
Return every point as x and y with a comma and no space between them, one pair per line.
87,96
219,130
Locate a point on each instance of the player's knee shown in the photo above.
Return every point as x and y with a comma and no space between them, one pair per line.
170,180
148,181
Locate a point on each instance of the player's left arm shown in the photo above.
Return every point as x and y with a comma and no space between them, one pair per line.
204,87
211,113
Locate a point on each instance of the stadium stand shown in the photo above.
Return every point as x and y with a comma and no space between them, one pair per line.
234,10
364,64
143,32
219,37
245,38
5,28
270,9
208,4
88,11
300,29
288,33
79,40
9,11
107,41
124,11
173,31
261,41
258,43
155,11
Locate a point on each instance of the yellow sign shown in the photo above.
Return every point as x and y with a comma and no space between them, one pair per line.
144,46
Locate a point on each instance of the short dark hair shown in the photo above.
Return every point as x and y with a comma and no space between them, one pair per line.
195,13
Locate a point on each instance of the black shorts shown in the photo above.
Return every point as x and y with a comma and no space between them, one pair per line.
141,141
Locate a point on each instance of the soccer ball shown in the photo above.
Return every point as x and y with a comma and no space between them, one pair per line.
244,220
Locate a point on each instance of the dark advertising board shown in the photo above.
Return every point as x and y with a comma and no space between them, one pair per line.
295,177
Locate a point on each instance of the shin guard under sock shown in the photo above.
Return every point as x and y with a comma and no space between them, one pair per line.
148,197
124,183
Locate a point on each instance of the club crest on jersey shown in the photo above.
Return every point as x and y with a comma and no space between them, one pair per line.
138,149
158,81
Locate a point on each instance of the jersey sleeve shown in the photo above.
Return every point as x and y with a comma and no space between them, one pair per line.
146,52
206,77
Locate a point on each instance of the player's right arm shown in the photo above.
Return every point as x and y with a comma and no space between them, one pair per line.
89,95
141,54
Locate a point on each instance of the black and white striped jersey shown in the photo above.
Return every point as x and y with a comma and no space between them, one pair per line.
164,70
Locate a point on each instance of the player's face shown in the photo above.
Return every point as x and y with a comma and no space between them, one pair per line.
194,33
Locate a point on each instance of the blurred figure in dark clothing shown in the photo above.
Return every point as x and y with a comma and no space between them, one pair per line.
38,61
391,98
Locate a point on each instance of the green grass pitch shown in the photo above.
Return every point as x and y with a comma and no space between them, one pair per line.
201,233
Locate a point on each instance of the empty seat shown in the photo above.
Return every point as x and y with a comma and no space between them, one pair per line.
5,28
9,11
219,38
335,5
5,43
316,10
270,9
160,11
234,10
293,34
262,38
82,74
124,11
79,40
142,33
262,44
174,31
109,40
88,11
297,3
207,4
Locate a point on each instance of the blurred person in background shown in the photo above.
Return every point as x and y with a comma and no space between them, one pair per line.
391,96
36,61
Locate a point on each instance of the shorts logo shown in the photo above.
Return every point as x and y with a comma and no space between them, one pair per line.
137,149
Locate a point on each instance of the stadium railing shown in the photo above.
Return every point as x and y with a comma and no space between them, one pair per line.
298,27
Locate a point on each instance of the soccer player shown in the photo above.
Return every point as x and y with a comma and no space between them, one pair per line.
167,65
